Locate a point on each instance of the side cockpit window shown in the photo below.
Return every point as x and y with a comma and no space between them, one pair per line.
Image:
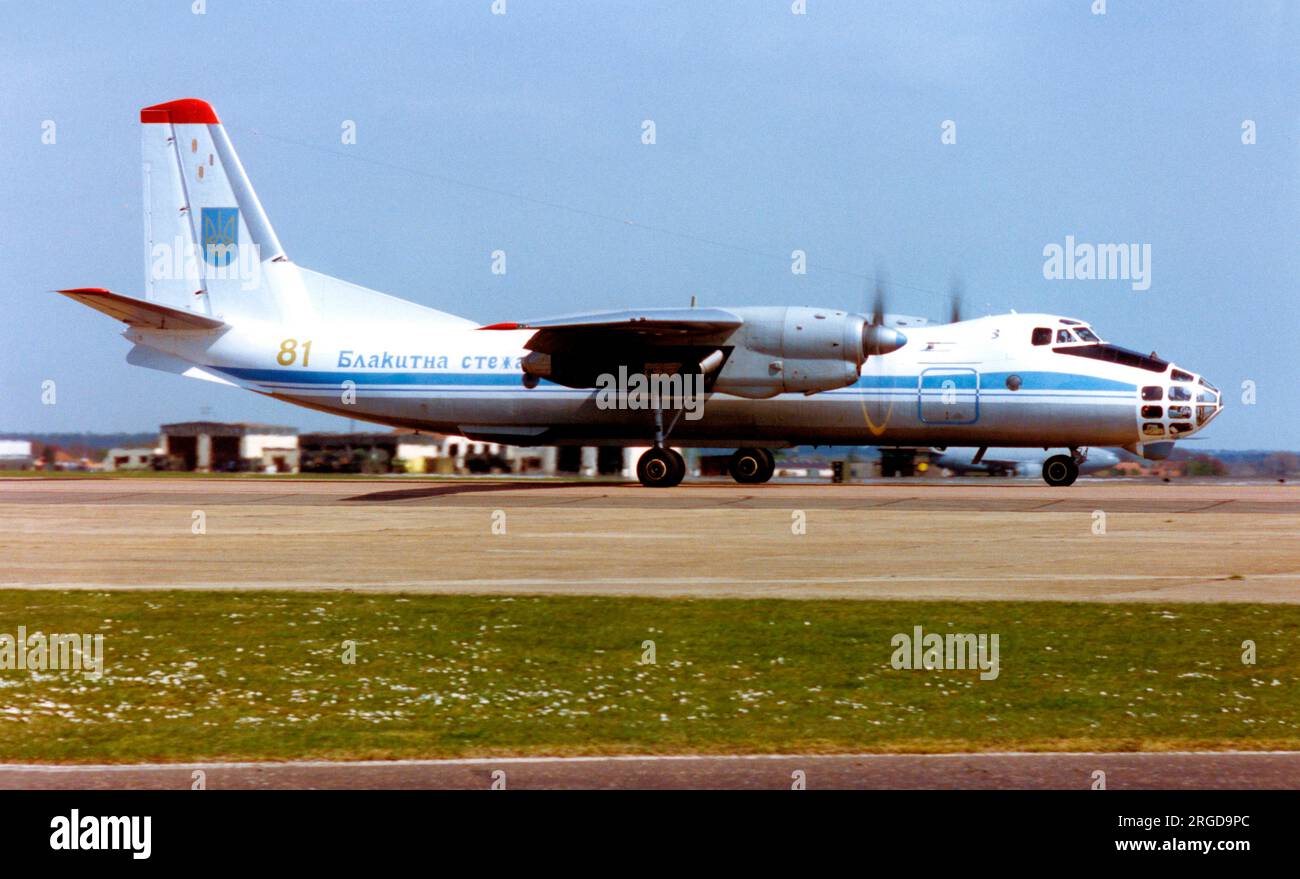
1086,334
1042,336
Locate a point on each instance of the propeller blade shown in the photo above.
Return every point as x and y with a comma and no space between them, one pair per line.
878,307
958,296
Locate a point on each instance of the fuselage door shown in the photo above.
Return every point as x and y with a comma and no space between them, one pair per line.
948,395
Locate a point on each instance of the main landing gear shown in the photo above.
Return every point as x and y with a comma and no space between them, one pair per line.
752,466
661,468
1062,470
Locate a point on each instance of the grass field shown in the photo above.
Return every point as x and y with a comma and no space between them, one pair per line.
220,675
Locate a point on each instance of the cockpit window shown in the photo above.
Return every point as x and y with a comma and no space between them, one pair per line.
1177,392
1063,337
1086,334
1042,336
1179,376
1116,354
1153,392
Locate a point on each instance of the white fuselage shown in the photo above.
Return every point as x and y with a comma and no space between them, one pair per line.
978,382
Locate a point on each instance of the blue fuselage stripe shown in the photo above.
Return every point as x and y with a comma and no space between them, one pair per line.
903,385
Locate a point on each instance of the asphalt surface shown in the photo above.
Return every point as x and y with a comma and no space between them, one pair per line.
958,495
940,539
1038,771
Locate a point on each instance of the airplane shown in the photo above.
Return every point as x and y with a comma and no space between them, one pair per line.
224,303
1013,461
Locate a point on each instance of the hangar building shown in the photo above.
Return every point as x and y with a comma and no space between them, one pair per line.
209,446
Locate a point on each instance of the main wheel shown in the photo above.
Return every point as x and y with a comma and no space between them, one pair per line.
679,466
751,466
1060,470
660,468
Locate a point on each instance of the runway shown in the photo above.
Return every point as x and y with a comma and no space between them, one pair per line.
978,539
956,495
1014,771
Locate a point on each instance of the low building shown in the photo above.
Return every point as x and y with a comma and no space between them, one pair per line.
400,451
15,454
210,446
130,459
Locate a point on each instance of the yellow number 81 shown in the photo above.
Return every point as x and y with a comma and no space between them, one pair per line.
289,352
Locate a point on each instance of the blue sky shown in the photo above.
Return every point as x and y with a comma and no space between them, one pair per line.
821,132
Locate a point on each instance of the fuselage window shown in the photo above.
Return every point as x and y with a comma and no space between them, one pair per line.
1153,392
1153,411
1042,336
1063,337
1180,394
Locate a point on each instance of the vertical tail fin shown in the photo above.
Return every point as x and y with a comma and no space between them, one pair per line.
209,247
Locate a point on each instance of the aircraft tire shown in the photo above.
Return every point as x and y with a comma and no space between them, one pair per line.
751,466
1060,471
679,466
660,468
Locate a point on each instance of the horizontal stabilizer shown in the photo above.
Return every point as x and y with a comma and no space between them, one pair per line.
139,313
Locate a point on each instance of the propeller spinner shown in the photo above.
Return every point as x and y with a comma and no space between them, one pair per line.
877,338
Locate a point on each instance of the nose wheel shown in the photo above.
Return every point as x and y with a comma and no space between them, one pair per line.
752,466
660,468
1060,470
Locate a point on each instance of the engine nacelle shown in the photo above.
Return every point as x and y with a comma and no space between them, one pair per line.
795,349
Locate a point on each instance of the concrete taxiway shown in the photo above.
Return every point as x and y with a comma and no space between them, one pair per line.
1099,540
1078,771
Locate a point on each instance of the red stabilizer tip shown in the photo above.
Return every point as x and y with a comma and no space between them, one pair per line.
182,112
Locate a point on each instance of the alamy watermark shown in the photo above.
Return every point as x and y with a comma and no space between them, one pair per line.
53,652
182,259
1098,262
929,651
660,387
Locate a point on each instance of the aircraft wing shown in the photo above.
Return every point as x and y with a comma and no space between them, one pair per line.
614,330
677,323
577,349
